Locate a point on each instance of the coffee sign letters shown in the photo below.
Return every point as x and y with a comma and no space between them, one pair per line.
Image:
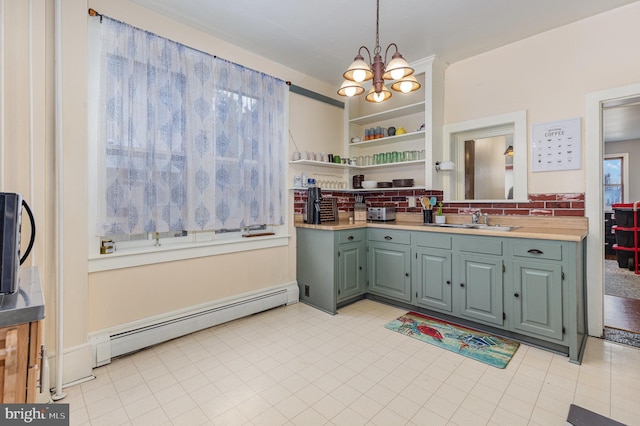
556,146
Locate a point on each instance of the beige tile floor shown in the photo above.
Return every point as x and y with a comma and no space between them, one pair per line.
296,365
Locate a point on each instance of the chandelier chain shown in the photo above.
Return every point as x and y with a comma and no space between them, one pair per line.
377,49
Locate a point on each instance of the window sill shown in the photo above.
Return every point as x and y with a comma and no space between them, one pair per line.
173,252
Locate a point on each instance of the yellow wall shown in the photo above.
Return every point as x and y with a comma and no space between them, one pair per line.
121,296
141,292
549,75
105,299
26,130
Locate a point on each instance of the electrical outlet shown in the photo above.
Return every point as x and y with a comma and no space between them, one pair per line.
306,291
412,201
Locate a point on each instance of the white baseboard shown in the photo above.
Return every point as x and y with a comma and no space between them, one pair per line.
115,341
76,366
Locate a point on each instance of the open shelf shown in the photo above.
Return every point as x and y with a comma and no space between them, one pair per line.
394,188
389,114
388,140
348,166
386,165
321,164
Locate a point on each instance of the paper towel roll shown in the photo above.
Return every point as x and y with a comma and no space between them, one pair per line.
446,165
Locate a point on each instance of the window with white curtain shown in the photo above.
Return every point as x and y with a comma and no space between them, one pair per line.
185,142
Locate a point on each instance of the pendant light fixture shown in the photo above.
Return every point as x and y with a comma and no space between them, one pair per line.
397,69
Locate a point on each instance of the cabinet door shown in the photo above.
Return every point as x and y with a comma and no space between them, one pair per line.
537,298
389,266
433,277
352,278
315,268
14,348
480,288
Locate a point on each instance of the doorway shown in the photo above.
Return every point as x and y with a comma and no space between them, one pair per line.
600,304
621,139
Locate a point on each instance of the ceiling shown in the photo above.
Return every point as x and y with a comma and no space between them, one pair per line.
321,38
621,120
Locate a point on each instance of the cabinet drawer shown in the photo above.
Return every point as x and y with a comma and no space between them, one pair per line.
431,239
538,250
351,236
480,245
390,236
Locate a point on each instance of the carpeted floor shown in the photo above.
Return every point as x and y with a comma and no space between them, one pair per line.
622,336
620,282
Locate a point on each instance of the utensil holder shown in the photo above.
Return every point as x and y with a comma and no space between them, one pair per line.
427,216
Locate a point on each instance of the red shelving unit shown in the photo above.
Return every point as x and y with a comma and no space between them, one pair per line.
626,230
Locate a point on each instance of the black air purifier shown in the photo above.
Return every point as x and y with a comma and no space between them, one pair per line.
10,229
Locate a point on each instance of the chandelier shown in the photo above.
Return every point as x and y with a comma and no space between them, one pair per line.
397,69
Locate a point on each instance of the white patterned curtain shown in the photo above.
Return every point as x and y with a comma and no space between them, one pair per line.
186,141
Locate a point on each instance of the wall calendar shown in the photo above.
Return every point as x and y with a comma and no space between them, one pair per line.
556,146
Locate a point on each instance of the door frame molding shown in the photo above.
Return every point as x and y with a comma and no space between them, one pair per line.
594,201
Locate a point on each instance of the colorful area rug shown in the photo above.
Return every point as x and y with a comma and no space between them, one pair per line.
493,350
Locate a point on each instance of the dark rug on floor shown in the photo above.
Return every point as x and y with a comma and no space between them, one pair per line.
620,282
579,416
622,336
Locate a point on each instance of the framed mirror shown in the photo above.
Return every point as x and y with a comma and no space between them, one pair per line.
490,157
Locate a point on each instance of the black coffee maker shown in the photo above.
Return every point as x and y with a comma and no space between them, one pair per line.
314,196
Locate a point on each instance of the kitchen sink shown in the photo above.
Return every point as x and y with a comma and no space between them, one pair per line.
502,228
494,227
452,225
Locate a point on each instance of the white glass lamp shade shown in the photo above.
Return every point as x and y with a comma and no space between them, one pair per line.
358,71
397,68
372,96
350,88
406,84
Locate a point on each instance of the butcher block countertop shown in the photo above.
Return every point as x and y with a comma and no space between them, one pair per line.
542,228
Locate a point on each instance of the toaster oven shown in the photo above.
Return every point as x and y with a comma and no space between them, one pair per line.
381,214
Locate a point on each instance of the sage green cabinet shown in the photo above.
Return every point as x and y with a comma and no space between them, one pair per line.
478,279
352,261
537,293
328,263
316,268
532,288
461,275
432,271
537,299
389,263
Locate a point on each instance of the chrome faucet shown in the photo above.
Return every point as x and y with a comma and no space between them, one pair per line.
475,216
486,218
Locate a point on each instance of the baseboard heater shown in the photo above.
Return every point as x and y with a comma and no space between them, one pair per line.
107,346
